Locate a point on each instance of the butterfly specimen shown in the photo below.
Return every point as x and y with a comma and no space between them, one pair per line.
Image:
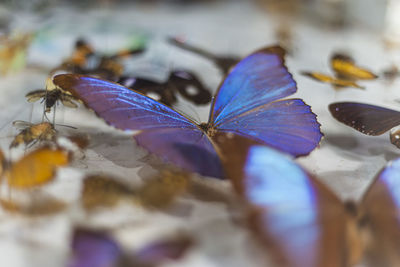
184,82
304,224
225,63
85,60
248,103
34,132
156,192
346,73
34,169
37,205
51,95
97,249
367,119
13,50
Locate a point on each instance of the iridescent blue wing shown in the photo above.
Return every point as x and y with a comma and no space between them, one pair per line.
120,107
365,118
247,104
301,222
93,249
163,131
381,213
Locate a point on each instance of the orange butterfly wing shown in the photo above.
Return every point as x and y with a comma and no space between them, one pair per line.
36,168
345,68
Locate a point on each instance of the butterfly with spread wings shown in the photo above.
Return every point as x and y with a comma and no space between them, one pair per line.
302,223
248,103
368,119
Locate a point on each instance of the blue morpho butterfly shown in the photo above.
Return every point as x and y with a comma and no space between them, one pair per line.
304,224
96,249
248,103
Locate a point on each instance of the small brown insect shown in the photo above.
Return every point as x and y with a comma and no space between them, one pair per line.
51,95
33,133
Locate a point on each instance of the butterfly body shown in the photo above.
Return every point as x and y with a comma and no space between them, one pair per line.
248,103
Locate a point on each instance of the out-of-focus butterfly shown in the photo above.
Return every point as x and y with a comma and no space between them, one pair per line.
304,224
346,73
36,205
51,96
391,73
156,192
368,119
336,82
98,249
34,169
184,82
345,68
85,60
248,103
13,51
224,63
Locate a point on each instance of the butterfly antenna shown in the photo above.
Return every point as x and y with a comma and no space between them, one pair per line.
30,114
54,114
210,114
68,126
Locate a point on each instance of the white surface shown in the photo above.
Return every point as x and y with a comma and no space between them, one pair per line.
346,159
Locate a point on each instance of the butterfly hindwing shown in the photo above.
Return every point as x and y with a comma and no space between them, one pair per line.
287,125
186,148
365,118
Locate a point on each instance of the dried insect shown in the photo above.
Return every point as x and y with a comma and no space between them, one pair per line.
51,95
33,133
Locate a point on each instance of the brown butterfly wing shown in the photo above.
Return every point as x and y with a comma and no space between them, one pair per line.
367,119
300,222
381,209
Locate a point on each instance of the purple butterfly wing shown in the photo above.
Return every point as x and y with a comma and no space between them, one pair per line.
298,219
247,104
191,150
93,249
163,131
120,107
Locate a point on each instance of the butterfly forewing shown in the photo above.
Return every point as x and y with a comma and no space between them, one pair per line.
301,222
367,119
258,79
381,211
121,107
